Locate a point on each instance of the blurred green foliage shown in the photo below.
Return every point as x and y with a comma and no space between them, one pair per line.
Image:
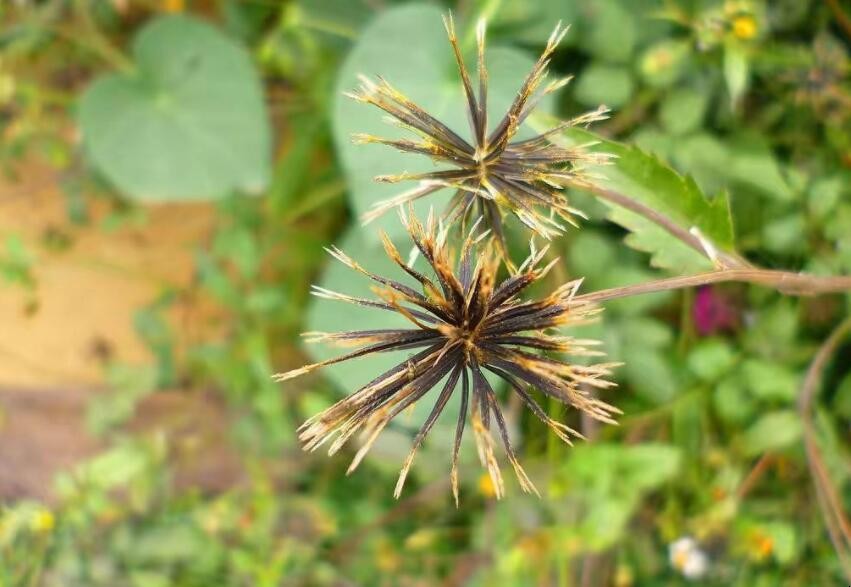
732,109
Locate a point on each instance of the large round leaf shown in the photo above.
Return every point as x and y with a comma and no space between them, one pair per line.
408,47
189,121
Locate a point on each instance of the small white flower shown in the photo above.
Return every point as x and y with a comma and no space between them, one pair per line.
688,558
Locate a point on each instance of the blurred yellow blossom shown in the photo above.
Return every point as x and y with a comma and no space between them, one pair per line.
386,557
760,545
745,27
42,521
422,539
486,487
172,6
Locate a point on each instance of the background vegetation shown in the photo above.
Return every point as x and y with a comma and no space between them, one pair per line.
240,103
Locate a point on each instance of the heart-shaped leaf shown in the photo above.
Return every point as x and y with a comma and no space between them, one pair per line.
188,122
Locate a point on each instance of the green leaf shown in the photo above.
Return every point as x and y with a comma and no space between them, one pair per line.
825,194
647,180
654,141
17,262
650,465
746,161
167,544
121,465
786,234
532,22
704,157
647,332
622,470
188,122
429,77
128,386
340,18
736,72
150,579
604,522
784,541
774,327
711,359
604,84
773,431
664,63
683,110
769,381
592,254
610,480
609,32
649,371
842,401
732,402
752,163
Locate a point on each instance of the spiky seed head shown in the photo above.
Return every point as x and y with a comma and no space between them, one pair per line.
492,173
465,321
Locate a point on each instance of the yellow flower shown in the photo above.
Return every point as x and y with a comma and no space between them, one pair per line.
7,92
486,486
745,27
42,521
386,557
172,6
624,577
760,545
422,539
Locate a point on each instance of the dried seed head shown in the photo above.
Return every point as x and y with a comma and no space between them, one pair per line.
493,174
464,322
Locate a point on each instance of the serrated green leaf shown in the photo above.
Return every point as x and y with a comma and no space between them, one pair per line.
647,180
189,122
667,252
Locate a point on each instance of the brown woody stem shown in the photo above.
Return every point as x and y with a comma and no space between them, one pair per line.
787,282
830,503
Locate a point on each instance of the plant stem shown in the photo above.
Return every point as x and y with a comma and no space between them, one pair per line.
838,526
681,233
93,38
787,282
843,19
